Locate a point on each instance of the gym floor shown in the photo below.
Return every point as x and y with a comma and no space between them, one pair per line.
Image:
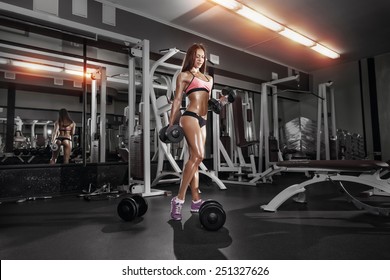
70,228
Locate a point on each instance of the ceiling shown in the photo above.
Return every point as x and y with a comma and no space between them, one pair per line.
356,29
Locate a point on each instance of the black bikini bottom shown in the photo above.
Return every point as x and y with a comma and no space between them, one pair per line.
202,121
62,138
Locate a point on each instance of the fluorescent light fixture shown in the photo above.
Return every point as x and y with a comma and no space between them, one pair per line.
35,66
77,73
292,35
73,72
325,51
229,4
267,22
3,60
259,18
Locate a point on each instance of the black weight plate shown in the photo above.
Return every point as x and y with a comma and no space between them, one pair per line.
209,201
127,209
142,205
161,134
176,134
212,217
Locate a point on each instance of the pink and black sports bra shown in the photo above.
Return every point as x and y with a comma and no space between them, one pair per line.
197,84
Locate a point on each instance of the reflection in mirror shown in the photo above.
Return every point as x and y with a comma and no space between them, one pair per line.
41,73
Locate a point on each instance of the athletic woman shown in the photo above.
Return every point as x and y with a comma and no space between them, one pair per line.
64,129
193,83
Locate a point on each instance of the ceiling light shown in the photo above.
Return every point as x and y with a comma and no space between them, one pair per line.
78,73
325,51
265,21
229,4
291,34
35,66
74,72
259,18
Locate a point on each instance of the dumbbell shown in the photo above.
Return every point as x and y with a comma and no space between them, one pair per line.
54,147
217,104
175,135
211,215
130,208
17,152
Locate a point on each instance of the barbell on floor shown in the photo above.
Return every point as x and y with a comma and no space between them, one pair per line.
211,215
130,208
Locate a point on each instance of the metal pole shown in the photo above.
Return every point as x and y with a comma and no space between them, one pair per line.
131,90
146,117
84,114
319,121
93,115
326,125
103,109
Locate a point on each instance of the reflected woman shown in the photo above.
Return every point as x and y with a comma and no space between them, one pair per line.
64,129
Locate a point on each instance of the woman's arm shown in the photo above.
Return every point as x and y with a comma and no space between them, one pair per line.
55,133
176,104
73,128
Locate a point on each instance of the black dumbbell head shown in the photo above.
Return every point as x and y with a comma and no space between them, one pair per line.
210,201
231,95
142,205
162,134
211,215
175,134
54,147
128,209
215,105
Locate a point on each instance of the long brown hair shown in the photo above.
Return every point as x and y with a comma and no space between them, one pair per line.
189,60
63,118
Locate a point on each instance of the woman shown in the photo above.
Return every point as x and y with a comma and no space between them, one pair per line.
196,85
64,129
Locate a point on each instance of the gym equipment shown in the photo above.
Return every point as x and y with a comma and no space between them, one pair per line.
365,172
132,207
216,105
322,117
211,215
54,147
103,192
175,135
233,145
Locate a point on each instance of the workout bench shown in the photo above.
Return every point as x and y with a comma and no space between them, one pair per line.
366,172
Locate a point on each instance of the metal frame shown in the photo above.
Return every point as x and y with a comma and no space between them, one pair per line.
322,113
231,165
380,186
264,132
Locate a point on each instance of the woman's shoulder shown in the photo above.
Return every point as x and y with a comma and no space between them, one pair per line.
208,77
185,76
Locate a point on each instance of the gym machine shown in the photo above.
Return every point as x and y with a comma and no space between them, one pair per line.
264,133
235,128
322,112
141,51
